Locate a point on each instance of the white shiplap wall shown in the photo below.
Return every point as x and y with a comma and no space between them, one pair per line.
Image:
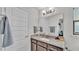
22,21
19,24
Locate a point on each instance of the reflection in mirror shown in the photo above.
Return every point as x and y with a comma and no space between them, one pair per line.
52,29
41,29
57,22
52,23
35,29
60,27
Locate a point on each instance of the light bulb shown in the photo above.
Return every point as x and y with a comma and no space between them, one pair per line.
44,12
52,9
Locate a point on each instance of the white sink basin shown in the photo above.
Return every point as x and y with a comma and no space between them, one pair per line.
44,39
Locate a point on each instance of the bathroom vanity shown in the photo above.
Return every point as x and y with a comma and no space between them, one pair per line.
39,43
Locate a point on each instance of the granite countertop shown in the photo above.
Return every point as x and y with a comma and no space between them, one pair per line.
51,41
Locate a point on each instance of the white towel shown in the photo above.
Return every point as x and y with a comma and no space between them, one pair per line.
5,29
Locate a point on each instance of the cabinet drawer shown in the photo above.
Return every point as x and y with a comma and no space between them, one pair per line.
34,41
42,44
39,48
54,48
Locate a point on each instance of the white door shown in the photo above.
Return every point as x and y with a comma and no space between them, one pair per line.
19,24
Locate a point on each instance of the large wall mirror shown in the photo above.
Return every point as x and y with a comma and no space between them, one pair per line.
52,23
76,21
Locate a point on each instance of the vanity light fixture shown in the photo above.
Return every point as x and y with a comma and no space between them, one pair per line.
48,11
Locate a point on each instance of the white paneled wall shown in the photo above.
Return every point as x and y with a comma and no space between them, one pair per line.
33,19
22,21
19,25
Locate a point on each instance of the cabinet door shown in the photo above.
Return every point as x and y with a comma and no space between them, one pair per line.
33,47
42,44
40,48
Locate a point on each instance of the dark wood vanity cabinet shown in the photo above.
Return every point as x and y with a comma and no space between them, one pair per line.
33,47
37,45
